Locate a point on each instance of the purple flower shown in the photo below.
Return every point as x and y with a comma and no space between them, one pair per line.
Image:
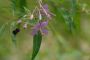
46,7
40,26
44,31
46,11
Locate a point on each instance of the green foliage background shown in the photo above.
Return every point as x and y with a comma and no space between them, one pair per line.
67,39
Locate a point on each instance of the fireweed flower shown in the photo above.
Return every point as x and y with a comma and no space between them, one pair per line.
42,15
46,7
45,11
40,27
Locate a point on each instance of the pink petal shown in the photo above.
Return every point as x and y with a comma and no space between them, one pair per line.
45,32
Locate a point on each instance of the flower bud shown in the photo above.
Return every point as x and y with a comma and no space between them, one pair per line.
40,17
31,17
19,21
25,26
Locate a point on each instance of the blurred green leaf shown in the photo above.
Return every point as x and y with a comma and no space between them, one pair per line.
36,44
68,19
18,7
13,37
13,27
2,29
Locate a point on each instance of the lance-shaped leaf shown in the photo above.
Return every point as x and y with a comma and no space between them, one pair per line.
36,44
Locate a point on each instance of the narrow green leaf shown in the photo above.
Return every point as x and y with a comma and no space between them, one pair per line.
18,7
13,37
2,29
13,27
68,19
36,44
